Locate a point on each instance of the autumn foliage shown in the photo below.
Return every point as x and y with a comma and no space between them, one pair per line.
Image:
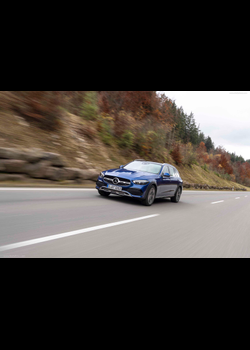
136,121
176,154
202,153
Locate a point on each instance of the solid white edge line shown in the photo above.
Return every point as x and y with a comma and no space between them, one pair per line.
237,198
217,202
72,233
44,189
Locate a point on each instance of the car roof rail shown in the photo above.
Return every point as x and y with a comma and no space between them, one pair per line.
138,159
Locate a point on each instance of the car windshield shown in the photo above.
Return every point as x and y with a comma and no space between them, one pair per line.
144,166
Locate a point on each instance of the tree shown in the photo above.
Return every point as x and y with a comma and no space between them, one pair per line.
176,154
202,152
209,143
201,136
222,160
235,158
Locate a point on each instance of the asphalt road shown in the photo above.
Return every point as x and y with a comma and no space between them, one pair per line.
73,223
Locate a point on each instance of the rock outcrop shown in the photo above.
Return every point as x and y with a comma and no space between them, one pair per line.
24,165
207,187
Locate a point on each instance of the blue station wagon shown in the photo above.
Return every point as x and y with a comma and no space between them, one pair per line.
142,180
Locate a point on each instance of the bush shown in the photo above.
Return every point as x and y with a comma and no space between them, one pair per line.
126,140
40,107
176,154
217,174
90,106
226,177
150,142
204,167
105,131
139,141
188,154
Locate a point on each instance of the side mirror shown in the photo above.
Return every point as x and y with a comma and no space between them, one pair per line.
166,175
121,166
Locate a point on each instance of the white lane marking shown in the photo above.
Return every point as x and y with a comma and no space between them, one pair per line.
237,198
245,196
72,233
45,189
217,202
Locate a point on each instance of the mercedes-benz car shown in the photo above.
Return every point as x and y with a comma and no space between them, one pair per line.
142,180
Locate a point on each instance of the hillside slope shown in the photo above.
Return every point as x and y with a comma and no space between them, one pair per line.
79,142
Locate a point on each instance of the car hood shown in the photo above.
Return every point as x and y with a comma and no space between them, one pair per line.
129,174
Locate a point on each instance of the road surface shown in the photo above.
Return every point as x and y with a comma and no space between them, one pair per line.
74,223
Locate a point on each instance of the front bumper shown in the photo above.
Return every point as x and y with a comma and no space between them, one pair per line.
119,193
136,191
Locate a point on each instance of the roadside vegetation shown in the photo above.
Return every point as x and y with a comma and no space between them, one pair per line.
112,127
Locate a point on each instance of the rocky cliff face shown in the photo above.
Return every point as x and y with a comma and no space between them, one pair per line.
24,165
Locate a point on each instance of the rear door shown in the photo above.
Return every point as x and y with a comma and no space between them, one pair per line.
164,184
175,179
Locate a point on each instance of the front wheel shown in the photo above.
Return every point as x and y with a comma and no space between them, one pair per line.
177,196
150,197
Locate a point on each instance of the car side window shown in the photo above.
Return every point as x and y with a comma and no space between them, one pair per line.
176,174
171,171
165,169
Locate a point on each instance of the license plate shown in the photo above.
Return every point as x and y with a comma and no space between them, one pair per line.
116,188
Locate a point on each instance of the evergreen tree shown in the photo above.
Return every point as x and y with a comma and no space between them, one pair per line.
201,137
209,143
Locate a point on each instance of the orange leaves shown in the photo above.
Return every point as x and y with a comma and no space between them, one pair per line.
202,148
202,152
244,171
176,154
221,161
140,103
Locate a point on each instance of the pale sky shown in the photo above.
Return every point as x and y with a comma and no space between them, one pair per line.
222,115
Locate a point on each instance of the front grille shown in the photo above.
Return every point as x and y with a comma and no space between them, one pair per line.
122,181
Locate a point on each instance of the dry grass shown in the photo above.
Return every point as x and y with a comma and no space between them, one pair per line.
70,140
199,176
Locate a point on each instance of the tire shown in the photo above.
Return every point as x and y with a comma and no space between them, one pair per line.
150,196
103,193
177,196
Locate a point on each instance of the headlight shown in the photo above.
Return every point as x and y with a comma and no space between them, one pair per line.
101,174
140,182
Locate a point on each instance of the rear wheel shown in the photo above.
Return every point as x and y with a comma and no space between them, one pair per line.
103,193
177,196
150,196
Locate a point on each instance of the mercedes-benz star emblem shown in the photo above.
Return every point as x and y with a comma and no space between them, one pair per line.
115,180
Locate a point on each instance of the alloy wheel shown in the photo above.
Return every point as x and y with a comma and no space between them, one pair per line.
151,195
178,195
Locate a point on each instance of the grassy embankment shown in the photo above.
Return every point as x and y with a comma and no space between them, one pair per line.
80,143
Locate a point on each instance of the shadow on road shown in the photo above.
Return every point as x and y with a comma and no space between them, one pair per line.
137,202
